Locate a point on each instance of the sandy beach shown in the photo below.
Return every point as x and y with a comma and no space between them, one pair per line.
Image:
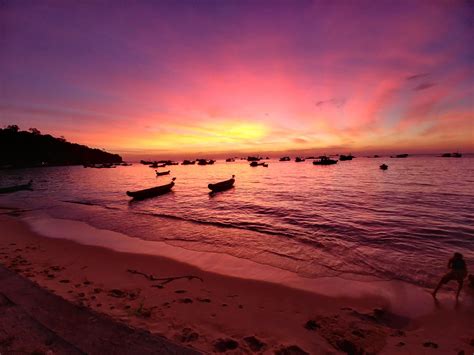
211,312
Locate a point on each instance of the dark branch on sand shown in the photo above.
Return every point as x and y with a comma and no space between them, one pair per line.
164,280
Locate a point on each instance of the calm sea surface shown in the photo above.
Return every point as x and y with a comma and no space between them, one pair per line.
351,220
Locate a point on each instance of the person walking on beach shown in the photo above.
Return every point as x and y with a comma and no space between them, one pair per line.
458,272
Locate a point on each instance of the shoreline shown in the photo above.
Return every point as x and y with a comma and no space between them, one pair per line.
246,309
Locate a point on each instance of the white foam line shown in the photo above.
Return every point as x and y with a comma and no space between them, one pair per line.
403,298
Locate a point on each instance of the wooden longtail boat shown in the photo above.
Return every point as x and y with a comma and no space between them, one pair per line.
223,185
161,173
152,192
9,189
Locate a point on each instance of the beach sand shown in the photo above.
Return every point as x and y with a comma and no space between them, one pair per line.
211,312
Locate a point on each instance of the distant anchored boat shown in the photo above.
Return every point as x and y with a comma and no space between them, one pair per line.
151,192
399,156
205,162
299,159
384,166
285,159
254,164
452,155
230,160
15,188
324,160
223,185
188,162
343,157
161,173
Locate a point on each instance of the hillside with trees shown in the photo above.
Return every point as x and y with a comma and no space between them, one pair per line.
32,149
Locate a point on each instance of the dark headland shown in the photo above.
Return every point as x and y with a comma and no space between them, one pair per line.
21,149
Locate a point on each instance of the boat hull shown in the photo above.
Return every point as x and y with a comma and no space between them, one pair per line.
152,192
221,186
330,162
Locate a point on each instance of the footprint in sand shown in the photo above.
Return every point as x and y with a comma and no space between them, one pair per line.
430,344
186,300
254,343
291,350
222,345
312,325
187,335
204,300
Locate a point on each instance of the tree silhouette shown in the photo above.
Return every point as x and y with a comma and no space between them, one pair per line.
12,128
34,131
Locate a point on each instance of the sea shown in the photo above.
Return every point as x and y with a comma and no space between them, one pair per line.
350,220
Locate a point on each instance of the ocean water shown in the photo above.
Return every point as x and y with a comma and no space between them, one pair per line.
350,220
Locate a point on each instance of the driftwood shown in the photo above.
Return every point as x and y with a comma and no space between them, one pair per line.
164,280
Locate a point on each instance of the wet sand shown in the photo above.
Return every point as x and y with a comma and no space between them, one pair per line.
211,312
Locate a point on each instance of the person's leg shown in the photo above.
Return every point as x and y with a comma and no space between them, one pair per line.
460,284
441,282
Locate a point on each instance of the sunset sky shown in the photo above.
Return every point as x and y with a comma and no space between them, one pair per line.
165,77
